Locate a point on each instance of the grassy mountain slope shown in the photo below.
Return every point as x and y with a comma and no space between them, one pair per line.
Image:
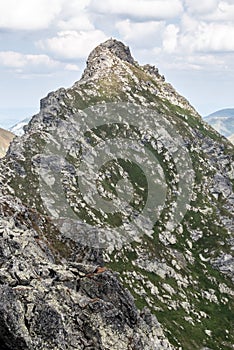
185,277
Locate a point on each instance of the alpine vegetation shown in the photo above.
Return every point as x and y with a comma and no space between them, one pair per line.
116,218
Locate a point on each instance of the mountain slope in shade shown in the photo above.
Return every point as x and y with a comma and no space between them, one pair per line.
168,289
18,129
222,121
5,139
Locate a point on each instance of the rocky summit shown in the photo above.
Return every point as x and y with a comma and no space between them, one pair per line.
116,218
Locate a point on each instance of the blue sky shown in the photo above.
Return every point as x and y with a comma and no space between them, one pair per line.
44,45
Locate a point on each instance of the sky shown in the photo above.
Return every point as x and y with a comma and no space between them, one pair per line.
44,46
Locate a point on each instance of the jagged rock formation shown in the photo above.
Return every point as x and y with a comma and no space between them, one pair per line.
59,294
47,302
5,139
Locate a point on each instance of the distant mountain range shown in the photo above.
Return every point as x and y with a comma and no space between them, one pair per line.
18,129
223,122
5,138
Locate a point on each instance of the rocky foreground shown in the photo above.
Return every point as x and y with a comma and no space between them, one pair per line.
49,302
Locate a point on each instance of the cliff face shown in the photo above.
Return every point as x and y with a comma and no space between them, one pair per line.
47,302
72,268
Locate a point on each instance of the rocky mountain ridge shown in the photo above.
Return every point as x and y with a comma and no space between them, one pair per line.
183,277
49,305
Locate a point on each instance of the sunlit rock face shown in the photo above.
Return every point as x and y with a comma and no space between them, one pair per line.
116,226
5,139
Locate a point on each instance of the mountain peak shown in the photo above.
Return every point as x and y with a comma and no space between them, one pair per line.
105,55
118,48
120,160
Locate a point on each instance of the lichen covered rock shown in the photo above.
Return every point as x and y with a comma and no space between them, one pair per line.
168,289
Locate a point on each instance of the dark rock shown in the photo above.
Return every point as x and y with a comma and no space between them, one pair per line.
119,49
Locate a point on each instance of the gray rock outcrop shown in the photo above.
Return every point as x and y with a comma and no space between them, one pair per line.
168,289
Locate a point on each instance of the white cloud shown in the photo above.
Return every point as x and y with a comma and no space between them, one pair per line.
223,12
41,60
73,44
209,37
76,23
28,14
73,8
146,33
42,14
188,23
31,65
141,9
74,16
72,67
27,63
12,59
211,10
207,61
170,38
201,7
